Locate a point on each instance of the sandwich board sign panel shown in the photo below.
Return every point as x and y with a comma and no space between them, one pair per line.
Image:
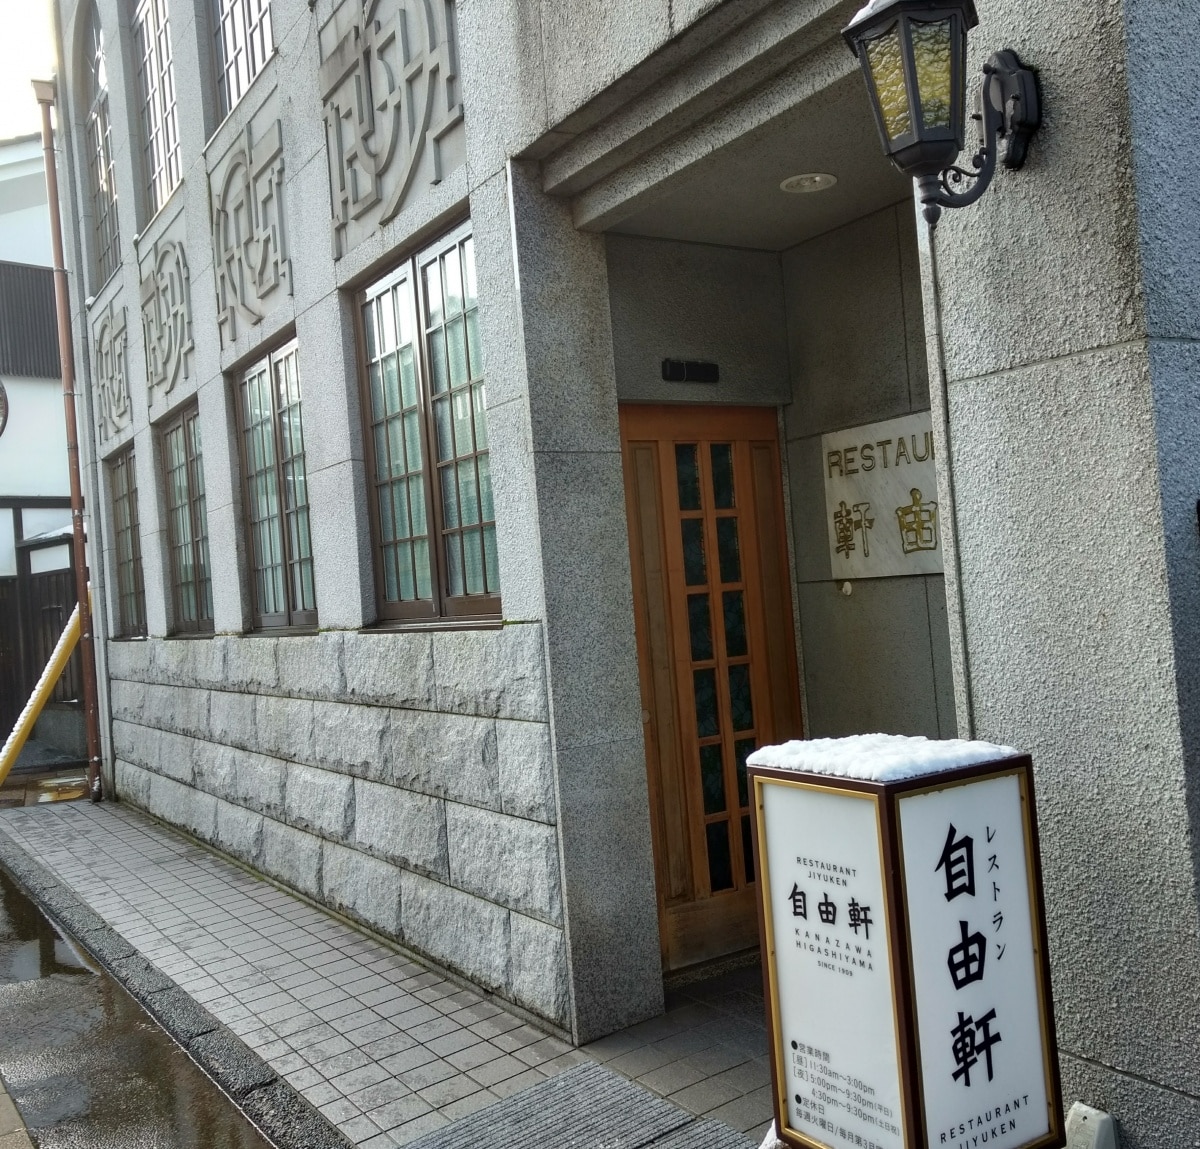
907,984
835,984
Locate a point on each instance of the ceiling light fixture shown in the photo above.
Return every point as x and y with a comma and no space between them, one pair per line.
809,182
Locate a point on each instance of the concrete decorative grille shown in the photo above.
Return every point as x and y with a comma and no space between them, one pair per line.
249,238
112,383
167,317
390,87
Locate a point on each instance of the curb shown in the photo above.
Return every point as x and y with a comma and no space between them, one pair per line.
264,1098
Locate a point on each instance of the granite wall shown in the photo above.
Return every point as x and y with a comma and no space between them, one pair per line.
878,658
405,781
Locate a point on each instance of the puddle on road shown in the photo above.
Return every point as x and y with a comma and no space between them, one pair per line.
87,1067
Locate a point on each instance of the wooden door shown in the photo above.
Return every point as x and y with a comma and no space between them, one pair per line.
716,650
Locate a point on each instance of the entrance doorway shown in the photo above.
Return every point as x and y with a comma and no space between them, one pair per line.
716,652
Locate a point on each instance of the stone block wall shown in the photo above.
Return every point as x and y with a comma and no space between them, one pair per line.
404,780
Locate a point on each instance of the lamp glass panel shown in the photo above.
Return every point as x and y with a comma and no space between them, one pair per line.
935,71
885,55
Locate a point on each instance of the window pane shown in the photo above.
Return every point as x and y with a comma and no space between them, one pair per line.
722,475
437,363
735,623
705,686
473,560
712,779
700,627
391,385
422,568
408,375
454,565
693,552
687,473
434,314
720,862
450,516
727,550
740,708
468,492
445,429
456,340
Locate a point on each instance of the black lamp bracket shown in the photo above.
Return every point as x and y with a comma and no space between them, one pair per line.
1008,112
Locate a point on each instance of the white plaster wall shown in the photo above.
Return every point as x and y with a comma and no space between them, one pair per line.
33,448
25,236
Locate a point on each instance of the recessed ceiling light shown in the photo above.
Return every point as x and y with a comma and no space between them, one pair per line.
809,182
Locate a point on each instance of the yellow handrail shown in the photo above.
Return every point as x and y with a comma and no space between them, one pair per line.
41,695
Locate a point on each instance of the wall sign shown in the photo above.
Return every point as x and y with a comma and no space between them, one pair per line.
3,408
907,978
881,499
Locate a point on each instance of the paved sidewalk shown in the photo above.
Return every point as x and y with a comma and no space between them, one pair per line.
13,1134
386,1050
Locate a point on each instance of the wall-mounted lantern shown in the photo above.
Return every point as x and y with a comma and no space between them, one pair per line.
913,55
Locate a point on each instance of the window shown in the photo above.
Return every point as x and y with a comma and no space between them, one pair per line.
276,493
156,79
187,523
106,236
425,408
242,29
131,588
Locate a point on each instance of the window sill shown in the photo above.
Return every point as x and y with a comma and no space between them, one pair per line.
281,632
409,626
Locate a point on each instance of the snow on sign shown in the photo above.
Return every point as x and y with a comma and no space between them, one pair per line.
881,500
906,969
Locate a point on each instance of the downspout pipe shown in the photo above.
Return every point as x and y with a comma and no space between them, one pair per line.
44,90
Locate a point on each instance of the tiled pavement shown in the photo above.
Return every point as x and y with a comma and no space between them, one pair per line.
707,1053
387,1050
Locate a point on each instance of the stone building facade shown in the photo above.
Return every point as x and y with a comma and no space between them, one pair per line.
420,497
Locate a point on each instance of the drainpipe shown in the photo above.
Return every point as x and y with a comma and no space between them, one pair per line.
44,90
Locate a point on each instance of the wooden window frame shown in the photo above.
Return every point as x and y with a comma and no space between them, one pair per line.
292,617
159,103
443,607
185,420
127,545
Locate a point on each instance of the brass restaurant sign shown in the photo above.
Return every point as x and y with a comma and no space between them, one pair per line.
906,973
881,501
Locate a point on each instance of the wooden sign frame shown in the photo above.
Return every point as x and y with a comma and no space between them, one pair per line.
886,797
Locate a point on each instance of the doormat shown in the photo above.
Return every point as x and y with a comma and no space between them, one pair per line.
587,1107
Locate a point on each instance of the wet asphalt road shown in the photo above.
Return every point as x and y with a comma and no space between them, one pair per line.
86,1065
